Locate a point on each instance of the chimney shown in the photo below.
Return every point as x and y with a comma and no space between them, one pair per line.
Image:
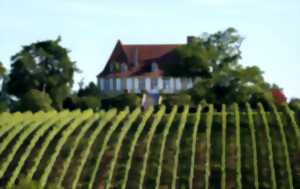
190,39
135,56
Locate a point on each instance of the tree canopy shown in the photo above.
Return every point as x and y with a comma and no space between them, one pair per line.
43,66
207,54
2,70
90,90
213,61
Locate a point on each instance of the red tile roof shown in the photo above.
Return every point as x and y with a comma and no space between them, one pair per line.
146,53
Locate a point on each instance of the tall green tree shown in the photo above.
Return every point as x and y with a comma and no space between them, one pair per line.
2,76
4,100
208,54
90,90
44,66
2,70
213,60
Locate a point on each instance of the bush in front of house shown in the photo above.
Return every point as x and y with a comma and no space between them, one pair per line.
121,101
89,102
83,103
177,99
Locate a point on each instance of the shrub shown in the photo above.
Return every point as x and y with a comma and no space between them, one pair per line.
265,98
295,104
90,90
70,103
3,105
279,97
121,101
180,100
83,103
89,102
35,100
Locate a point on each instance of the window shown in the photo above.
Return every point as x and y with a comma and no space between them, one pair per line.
124,67
154,67
129,84
111,84
114,66
118,84
154,83
123,84
166,83
106,84
142,84
178,83
183,83
189,83
101,83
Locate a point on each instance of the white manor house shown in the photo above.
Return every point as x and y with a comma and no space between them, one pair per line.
138,68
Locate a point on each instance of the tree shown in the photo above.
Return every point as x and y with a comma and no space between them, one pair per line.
2,70
3,105
43,66
3,97
90,90
279,97
83,103
213,61
86,98
35,100
295,104
2,76
207,54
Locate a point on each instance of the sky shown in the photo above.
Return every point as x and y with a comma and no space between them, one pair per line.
90,29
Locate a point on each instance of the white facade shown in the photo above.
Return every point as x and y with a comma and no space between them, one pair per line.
138,84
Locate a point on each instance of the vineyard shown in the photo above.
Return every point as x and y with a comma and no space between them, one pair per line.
159,148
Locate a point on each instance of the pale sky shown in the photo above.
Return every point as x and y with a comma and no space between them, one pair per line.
90,29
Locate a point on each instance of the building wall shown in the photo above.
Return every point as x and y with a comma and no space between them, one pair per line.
138,84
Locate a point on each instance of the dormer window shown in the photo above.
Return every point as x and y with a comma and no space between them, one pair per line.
114,67
124,67
154,67
111,67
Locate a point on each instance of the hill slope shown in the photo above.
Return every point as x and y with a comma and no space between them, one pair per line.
152,148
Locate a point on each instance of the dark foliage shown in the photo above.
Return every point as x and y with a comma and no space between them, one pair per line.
213,61
43,66
83,103
90,90
121,101
35,100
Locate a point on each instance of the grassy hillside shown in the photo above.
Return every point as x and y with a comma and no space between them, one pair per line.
156,148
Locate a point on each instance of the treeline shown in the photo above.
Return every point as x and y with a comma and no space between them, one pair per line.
42,76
